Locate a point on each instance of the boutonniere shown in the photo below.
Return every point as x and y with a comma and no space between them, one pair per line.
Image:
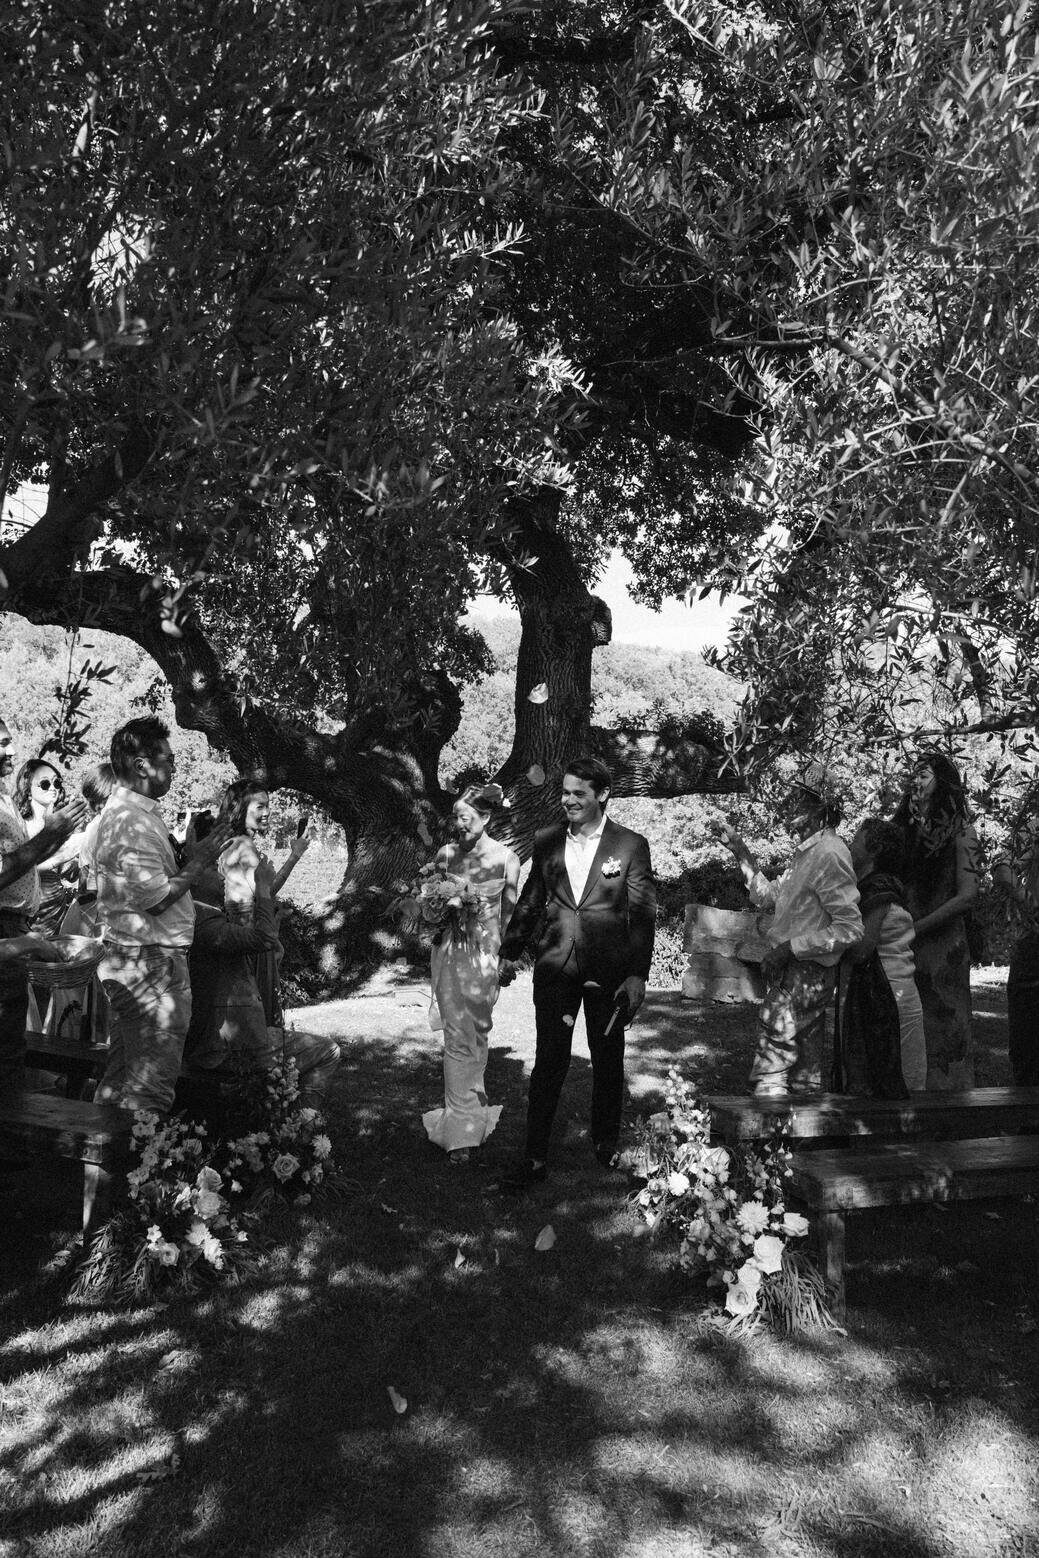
611,867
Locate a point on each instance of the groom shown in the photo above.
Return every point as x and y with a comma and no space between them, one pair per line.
591,902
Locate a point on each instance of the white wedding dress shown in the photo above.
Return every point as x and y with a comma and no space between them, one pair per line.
465,988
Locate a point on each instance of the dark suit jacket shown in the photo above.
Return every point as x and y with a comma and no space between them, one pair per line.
605,937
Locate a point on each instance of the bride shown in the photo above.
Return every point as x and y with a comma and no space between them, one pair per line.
465,975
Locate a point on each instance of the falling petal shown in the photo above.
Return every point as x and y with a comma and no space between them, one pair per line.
459,1259
538,694
424,834
302,613
568,1021
399,1402
546,1238
536,774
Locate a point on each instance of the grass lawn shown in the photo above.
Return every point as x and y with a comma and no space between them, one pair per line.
572,1402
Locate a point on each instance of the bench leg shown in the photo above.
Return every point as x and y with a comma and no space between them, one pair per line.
97,1198
831,1253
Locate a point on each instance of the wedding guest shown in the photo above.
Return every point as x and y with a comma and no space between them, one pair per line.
228,1024
465,974
245,811
38,790
816,902
941,878
147,918
97,785
20,855
881,1044
1016,875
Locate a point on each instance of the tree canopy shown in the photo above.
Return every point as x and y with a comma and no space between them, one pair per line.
864,249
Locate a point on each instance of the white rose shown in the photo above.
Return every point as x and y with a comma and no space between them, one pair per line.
285,1165
677,1183
768,1253
752,1217
208,1179
207,1204
794,1225
168,1254
739,1300
749,1276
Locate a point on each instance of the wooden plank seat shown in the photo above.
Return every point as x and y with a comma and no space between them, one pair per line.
98,1136
831,1184
79,1062
979,1111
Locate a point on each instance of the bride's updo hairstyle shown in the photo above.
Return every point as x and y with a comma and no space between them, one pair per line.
484,798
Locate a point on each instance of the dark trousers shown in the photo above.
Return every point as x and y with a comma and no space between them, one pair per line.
557,1000
1023,1011
14,1005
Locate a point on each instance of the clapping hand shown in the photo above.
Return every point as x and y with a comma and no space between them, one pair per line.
508,968
64,820
299,847
213,845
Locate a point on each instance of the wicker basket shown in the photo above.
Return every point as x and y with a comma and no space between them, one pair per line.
80,958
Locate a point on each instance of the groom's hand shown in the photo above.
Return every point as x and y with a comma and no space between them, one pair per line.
507,971
634,989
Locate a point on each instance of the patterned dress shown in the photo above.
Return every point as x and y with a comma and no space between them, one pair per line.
465,988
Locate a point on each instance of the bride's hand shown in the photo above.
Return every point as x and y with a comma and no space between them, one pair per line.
507,971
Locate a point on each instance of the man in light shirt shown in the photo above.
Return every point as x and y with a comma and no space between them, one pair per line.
147,919
19,900
591,901
817,918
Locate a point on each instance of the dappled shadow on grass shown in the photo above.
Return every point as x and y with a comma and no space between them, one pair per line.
571,1402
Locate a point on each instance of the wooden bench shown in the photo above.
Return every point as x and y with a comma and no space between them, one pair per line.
99,1137
980,1111
831,1184
79,1062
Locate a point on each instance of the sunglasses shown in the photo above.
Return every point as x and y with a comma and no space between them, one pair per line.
46,784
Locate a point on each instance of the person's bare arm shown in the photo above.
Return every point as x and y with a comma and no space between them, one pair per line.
872,924
297,849
510,892
59,826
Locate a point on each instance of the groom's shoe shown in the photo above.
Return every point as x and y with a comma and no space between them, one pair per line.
525,1174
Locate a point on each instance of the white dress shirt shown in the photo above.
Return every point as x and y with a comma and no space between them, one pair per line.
579,853
134,860
816,900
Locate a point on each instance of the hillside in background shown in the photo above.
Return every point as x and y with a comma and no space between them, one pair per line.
631,685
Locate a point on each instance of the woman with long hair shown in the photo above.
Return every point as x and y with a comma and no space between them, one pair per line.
941,881
38,790
465,974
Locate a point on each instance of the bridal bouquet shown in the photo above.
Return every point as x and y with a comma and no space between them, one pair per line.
438,904
726,1206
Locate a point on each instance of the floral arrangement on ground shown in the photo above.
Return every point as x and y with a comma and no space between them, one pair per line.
438,903
726,1209
194,1198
